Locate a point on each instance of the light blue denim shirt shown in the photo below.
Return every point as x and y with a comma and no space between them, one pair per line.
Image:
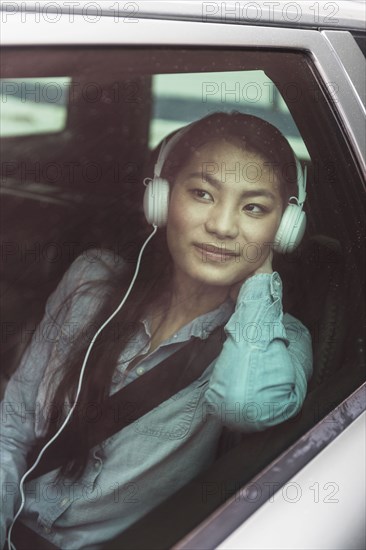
258,380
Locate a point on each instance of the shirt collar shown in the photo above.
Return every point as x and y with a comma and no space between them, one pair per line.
201,326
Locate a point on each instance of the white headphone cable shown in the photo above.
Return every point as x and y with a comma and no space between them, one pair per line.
21,485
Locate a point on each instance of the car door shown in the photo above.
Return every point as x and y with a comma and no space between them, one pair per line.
142,75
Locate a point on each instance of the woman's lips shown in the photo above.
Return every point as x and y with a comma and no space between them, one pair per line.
211,252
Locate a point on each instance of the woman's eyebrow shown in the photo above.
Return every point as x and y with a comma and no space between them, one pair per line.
257,192
203,176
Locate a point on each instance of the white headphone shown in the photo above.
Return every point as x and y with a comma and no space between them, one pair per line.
156,201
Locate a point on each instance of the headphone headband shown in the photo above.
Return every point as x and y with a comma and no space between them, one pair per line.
167,147
301,180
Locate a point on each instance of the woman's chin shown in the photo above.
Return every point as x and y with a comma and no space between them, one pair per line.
215,276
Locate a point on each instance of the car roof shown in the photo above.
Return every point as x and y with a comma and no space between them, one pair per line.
340,15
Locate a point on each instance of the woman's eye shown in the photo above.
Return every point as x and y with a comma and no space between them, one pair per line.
201,194
255,208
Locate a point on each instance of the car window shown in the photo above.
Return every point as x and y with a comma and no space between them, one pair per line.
120,103
181,98
361,41
72,179
33,106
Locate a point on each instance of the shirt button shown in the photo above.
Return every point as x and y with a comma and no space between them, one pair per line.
140,370
96,464
175,335
47,530
64,501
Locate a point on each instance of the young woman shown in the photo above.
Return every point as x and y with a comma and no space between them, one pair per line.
230,179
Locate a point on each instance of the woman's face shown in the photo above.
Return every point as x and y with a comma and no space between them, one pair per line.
224,210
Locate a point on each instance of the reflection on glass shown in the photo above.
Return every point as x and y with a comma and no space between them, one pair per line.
32,106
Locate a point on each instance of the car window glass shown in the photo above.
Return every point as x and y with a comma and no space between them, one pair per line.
361,41
78,184
33,106
181,98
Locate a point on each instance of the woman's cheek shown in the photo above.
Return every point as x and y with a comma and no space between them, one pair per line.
257,243
183,213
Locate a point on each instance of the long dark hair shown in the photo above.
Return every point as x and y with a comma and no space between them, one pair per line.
155,275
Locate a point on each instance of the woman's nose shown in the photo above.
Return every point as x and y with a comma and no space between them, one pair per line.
222,221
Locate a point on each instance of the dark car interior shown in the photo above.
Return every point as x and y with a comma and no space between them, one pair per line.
79,188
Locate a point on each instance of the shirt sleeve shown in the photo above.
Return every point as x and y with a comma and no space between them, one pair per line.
22,409
260,377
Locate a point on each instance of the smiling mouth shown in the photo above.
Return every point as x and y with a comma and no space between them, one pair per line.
211,251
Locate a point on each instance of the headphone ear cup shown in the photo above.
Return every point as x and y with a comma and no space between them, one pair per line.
291,229
156,199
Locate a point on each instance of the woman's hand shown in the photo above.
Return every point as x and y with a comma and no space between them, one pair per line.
265,267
